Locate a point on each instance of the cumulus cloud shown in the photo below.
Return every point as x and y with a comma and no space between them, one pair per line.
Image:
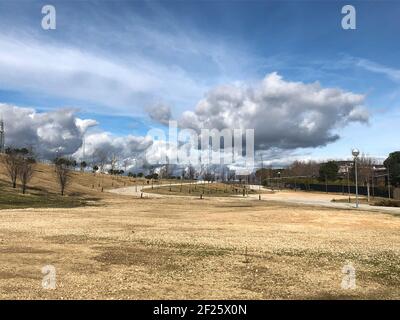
160,113
61,132
284,114
46,132
105,144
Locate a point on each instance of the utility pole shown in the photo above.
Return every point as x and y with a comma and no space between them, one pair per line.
355,153
388,174
373,182
348,182
2,139
83,148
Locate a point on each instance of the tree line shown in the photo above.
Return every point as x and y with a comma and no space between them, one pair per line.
367,170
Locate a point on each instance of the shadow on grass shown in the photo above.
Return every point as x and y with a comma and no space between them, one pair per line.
38,198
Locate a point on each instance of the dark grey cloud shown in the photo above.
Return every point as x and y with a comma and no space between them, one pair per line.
160,113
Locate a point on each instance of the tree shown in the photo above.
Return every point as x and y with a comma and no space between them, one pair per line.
113,162
365,167
303,168
191,172
209,175
11,161
115,172
231,175
328,171
126,164
83,165
25,171
63,172
392,164
102,157
73,163
152,176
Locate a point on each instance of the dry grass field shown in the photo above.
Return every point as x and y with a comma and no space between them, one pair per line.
124,247
206,189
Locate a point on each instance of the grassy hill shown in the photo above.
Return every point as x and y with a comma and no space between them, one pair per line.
43,190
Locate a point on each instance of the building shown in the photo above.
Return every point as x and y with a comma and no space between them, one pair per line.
345,166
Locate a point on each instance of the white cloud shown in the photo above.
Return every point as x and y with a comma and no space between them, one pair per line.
284,114
126,147
61,132
55,70
44,132
392,73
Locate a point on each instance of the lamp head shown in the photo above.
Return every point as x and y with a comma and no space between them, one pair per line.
355,152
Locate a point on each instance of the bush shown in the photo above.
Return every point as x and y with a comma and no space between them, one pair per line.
388,203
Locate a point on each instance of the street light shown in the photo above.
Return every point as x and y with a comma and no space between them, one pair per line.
355,153
279,181
373,181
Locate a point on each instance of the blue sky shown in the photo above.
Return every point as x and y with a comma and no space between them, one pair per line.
113,60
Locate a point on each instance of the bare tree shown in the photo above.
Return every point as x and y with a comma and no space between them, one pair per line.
209,175
11,161
366,168
231,175
63,173
191,172
126,164
303,168
102,158
25,171
113,162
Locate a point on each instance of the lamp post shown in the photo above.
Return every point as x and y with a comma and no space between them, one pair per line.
373,181
348,182
279,181
355,153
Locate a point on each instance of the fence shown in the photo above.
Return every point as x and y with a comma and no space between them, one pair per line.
344,189
396,193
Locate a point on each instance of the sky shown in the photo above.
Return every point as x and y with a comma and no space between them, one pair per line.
112,70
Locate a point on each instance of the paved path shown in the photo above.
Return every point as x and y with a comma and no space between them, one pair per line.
140,190
319,199
288,196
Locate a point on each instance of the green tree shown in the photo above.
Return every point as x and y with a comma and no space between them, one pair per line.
393,164
328,171
83,165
